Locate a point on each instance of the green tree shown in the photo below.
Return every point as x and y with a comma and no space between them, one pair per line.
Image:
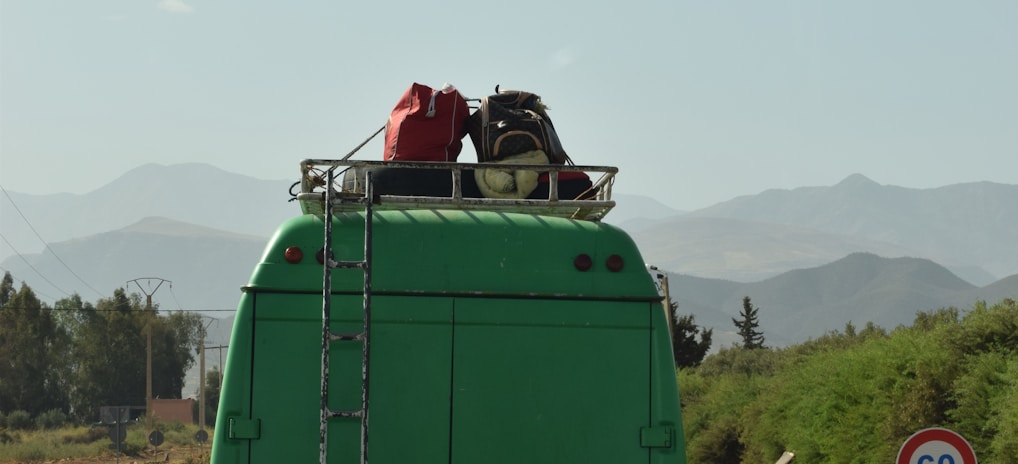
29,361
213,382
6,289
175,339
110,346
110,351
688,351
747,325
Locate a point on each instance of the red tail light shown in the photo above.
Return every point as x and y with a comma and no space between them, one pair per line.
615,263
583,262
293,255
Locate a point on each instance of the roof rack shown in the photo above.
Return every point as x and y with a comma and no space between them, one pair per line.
350,176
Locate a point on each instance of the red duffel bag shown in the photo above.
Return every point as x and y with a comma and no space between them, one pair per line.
426,125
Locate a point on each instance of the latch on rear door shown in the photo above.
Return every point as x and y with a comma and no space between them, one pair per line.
656,437
240,428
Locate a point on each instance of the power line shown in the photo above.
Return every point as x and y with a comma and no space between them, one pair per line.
31,266
45,243
23,282
174,295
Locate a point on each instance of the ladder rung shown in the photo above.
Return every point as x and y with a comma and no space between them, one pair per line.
347,264
345,413
346,336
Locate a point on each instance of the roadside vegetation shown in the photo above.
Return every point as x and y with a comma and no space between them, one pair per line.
92,443
60,365
849,396
854,396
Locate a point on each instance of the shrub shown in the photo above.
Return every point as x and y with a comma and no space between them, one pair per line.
52,419
88,435
6,438
19,420
28,452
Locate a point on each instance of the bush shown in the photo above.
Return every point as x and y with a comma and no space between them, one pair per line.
86,435
52,419
29,452
19,420
64,444
6,438
167,427
3,420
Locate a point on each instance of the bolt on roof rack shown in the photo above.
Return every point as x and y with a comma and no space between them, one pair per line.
350,178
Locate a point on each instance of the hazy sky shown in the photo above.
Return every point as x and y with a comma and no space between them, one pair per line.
696,101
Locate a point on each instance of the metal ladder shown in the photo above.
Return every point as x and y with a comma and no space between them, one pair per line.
364,336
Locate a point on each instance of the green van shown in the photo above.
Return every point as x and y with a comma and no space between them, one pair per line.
408,329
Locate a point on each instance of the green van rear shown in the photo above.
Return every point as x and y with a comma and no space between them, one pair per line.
496,335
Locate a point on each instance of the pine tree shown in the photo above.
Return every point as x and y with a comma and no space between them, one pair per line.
751,338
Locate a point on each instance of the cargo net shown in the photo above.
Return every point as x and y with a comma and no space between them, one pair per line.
576,192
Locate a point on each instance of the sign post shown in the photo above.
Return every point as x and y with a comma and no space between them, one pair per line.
936,446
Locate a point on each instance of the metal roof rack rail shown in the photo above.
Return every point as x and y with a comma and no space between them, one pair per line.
348,189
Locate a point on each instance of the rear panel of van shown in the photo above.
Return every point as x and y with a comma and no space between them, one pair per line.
488,344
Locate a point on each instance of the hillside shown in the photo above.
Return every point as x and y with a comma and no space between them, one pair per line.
859,288
746,251
204,228
191,193
207,267
962,226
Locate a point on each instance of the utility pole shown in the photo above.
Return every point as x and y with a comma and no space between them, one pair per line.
220,348
201,376
148,341
201,382
201,388
202,394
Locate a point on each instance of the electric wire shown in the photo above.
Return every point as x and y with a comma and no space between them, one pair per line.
36,292
175,300
31,266
46,244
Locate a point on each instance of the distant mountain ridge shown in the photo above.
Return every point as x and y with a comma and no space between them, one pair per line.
206,266
193,193
859,288
961,225
205,229
745,251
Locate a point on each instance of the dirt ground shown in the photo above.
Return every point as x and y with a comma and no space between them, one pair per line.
177,455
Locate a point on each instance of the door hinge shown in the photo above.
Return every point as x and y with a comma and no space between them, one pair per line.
244,429
656,437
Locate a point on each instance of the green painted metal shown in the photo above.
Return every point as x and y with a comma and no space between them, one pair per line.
656,437
550,381
488,345
441,252
244,429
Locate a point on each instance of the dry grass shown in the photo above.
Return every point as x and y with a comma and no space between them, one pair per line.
83,444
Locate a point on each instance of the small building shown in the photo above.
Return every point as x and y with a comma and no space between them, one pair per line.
174,410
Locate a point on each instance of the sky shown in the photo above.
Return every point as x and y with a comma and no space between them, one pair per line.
696,102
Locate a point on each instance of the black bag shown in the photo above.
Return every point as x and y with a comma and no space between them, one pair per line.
511,122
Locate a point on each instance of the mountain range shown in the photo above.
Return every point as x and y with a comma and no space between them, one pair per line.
969,228
812,258
805,303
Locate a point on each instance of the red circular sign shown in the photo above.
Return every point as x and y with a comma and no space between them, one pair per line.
936,446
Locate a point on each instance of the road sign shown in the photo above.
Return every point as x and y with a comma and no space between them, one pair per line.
936,446
201,436
155,438
118,433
